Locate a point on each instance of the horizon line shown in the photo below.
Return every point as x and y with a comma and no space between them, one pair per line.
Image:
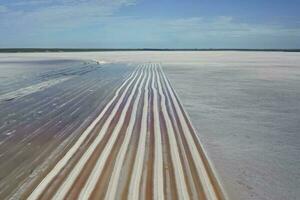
57,49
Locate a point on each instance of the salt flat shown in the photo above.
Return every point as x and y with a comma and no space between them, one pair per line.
245,107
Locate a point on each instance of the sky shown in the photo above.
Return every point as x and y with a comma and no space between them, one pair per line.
149,23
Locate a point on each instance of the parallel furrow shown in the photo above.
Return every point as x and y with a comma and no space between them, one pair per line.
134,187
158,182
96,172
58,167
179,174
203,174
141,146
88,188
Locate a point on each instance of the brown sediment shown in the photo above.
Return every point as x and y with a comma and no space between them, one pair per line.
169,175
127,168
50,129
36,140
101,186
111,141
183,157
148,171
212,177
57,181
178,160
75,190
134,183
195,187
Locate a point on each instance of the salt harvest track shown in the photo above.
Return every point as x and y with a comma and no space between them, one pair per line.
141,146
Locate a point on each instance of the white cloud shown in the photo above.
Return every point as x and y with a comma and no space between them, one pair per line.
60,22
59,13
196,32
200,26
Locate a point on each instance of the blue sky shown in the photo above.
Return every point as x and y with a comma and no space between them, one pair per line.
150,23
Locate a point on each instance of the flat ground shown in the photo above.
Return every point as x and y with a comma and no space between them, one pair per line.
245,107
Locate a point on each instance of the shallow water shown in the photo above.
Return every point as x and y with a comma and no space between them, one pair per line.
46,105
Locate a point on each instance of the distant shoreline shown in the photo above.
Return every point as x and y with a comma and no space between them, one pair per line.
33,50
